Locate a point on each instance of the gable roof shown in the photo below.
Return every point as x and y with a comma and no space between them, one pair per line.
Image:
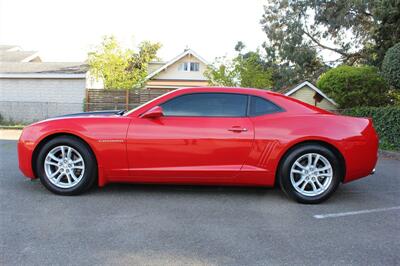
177,58
313,87
6,47
154,65
17,56
42,69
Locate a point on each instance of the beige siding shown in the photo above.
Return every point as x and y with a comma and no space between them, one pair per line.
306,94
176,83
172,71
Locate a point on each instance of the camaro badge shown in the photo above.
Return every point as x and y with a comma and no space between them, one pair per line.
110,140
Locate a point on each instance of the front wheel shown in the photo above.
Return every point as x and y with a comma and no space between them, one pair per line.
310,173
66,166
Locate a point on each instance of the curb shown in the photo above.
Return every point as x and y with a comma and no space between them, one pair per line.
11,127
389,154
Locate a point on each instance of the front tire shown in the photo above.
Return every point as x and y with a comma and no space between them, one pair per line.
66,166
310,173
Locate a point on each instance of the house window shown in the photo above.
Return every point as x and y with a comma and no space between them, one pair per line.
194,66
183,67
189,66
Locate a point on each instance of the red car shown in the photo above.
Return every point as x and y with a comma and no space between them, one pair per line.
205,136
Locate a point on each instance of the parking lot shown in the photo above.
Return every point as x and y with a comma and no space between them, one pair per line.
187,225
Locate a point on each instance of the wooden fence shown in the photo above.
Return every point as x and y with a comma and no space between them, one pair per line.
97,100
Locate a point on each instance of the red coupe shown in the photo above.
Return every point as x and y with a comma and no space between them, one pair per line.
205,136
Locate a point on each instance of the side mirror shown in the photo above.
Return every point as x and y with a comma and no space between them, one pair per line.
154,112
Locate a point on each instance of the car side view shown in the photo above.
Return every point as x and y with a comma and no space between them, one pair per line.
204,136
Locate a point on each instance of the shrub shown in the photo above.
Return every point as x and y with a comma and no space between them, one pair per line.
391,66
354,86
386,122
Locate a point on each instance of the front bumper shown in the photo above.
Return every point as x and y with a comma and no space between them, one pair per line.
25,151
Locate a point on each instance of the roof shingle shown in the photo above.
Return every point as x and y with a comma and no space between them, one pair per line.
43,67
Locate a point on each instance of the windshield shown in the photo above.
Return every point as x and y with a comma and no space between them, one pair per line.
140,106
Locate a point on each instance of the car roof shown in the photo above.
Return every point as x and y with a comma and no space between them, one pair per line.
287,103
225,89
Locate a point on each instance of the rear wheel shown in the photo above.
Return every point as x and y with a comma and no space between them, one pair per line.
310,173
66,166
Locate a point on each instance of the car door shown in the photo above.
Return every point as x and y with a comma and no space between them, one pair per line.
201,136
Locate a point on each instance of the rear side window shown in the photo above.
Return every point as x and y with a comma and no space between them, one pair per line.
261,106
207,104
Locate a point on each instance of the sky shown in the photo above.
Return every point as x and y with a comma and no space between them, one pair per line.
65,30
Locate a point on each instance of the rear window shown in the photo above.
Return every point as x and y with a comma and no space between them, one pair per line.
261,106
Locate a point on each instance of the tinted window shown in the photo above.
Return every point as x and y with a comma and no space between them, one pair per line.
207,104
260,106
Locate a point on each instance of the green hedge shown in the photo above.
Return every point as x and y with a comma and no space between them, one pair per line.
386,122
391,66
352,86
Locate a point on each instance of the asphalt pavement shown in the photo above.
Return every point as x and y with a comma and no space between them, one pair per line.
124,224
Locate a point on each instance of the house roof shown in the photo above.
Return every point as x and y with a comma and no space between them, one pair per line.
6,47
311,86
17,56
153,66
42,69
177,58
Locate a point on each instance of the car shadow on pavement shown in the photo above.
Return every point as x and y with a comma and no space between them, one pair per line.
183,189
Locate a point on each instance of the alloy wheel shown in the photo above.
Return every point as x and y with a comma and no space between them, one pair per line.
64,166
311,174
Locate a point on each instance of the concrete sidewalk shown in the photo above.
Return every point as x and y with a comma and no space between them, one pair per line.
10,134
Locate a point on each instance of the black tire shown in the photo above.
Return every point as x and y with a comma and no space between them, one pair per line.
288,161
90,166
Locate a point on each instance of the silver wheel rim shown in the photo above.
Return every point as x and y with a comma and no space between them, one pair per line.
64,166
311,174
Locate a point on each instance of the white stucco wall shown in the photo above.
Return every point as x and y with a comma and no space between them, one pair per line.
173,72
32,99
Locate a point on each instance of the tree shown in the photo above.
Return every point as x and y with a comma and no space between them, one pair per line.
245,70
121,68
353,86
391,66
306,68
222,72
361,31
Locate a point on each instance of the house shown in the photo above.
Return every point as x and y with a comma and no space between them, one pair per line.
31,89
185,70
309,93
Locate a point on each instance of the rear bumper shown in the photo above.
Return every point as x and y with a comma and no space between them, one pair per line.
361,156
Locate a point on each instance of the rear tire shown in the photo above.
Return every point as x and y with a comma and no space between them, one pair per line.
310,173
66,166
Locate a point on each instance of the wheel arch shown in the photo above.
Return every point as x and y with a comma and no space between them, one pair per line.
325,144
46,139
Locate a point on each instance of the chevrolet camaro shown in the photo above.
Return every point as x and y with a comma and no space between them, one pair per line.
204,136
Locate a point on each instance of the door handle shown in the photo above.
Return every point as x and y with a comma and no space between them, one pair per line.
238,129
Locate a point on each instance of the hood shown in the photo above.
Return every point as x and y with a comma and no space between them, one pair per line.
82,115
94,113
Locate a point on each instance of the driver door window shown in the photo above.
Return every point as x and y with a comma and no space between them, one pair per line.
207,105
